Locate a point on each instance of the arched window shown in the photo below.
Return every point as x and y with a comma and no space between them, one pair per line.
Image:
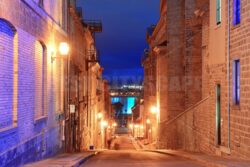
40,81
7,44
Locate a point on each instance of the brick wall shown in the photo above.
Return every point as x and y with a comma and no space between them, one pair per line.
189,130
240,115
7,34
195,128
32,87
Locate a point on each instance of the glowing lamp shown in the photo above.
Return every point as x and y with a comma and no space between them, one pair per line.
131,126
136,126
148,121
63,48
104,124
63,51
99,115
154,110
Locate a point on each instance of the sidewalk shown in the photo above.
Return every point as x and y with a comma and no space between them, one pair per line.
64,160
206,160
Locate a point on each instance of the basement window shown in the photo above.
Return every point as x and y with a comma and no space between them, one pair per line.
236,82
236,12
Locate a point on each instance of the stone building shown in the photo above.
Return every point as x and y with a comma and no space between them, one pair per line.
177,55
149,90
209,113
86,86
32,84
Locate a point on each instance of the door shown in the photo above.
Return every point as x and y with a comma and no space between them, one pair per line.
218,115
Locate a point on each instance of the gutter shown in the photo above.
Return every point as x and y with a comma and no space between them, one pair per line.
228,75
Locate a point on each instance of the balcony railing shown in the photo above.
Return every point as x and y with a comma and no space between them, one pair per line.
95,26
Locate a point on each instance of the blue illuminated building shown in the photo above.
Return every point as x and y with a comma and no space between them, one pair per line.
128,103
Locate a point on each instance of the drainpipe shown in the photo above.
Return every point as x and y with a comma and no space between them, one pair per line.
228,75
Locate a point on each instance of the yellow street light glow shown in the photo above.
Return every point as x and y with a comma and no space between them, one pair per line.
142,127
131,126
148,121
154,109
136,126
114,124
104,124
63,48
99,115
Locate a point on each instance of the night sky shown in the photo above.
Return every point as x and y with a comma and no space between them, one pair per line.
122,41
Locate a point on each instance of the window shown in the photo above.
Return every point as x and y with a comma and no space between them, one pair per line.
8,80
218,12
236,12
236,82
40,81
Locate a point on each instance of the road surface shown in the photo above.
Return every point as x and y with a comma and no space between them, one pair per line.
127,156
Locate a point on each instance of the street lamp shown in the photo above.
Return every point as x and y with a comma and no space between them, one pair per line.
104,124
63,50
154,110
148,121
114,124
99,115
131,126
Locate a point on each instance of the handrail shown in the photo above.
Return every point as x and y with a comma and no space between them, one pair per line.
187,110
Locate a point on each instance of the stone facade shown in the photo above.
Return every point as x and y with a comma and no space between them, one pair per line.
86,87
149,88
201,123
31,127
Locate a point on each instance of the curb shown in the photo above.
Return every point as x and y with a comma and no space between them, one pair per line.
84,159
201,161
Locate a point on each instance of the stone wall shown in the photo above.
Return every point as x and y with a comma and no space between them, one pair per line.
189,130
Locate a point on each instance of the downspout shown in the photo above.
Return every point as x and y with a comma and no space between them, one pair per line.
228,75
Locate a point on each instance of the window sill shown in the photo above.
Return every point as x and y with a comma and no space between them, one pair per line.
225,150
40,119
217,26
7,130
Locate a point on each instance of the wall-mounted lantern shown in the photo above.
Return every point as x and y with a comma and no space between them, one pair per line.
63,51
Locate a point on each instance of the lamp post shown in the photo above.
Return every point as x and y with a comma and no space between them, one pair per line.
68,110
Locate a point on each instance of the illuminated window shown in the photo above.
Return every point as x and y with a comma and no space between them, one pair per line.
236,12
40,81
218,12
236,82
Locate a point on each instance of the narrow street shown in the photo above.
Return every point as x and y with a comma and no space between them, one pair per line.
127,156
109,83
